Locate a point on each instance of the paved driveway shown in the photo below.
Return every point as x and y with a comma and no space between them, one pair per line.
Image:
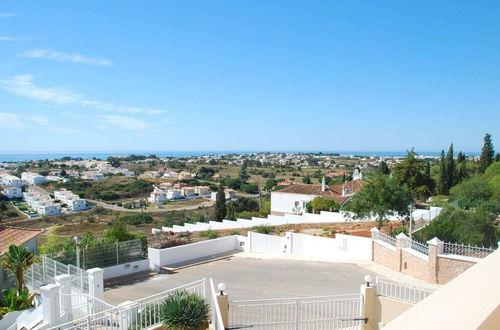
253,278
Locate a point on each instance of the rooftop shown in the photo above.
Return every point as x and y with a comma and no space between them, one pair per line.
16,236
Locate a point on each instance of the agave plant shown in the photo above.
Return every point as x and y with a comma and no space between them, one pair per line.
16,262
184,311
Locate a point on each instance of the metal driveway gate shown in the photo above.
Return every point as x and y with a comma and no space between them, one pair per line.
326,312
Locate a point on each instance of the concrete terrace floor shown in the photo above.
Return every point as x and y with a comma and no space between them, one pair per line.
253,278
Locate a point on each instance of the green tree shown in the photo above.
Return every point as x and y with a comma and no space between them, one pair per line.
497,157
461,167
380,197
450,168
319,204
475,227
487,154
16,261
220,204
410,173
442,188
119,232
306,179
230,211
472,192
384,169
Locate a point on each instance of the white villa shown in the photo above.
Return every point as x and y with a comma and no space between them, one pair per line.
10,180
33,178
73,201
293,199
12,192
92,175
41,203
159,195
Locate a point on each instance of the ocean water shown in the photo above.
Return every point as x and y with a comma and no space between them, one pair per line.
20,157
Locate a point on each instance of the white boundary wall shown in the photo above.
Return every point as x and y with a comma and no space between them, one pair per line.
163,257
340,248
126,269
277,220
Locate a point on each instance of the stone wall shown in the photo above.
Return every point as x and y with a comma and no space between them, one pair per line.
434,267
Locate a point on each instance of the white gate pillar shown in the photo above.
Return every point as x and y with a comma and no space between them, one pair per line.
96,283
65,297
50,304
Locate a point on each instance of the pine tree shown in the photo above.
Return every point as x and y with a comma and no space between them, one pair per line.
450,168
441,184
487,153
497,157
461,167
384,169
220,204
230,211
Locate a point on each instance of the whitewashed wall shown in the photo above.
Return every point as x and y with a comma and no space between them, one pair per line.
285,202
340,248
277,220
126,269
163,257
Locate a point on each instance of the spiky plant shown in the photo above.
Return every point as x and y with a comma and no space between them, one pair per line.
184,311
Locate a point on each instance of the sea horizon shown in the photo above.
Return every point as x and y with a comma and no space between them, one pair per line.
32,156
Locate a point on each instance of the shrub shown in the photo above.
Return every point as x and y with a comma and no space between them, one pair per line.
186,311
16,302
165,240
264,229
137,219
3,311
234,232
210,234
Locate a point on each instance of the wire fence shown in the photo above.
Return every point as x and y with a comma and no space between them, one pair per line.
466,250
111,254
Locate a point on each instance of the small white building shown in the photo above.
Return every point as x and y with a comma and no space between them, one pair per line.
93,175
41,203
357,175
202,190
229,194
293,199
12,192
10,180
158,196
73,201
33,178
174,194
188,191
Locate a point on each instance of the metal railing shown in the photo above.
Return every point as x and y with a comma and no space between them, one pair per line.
388,239
112,254
327,312
141,314
420,247
466,250
45,269
399,291
83,305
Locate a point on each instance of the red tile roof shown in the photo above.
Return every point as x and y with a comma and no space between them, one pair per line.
16,236
333,192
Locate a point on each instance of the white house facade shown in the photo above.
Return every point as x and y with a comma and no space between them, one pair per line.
12,192
33,178
10,180
73,201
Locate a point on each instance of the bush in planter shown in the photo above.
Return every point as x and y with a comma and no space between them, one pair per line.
184,311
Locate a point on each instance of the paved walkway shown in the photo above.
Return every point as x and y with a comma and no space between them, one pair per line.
249,278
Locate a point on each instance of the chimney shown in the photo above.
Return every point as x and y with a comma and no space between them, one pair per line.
323,185
344,190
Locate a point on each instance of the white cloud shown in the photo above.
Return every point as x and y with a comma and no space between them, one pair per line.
23,85
7,38
7,14
14,121
10,120
129,123
66,57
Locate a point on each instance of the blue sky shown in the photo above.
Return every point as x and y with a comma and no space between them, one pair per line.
248,75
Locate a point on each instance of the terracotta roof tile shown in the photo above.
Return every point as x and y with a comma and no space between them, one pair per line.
16,236
333,192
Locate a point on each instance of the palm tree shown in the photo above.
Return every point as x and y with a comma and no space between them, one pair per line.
16,262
